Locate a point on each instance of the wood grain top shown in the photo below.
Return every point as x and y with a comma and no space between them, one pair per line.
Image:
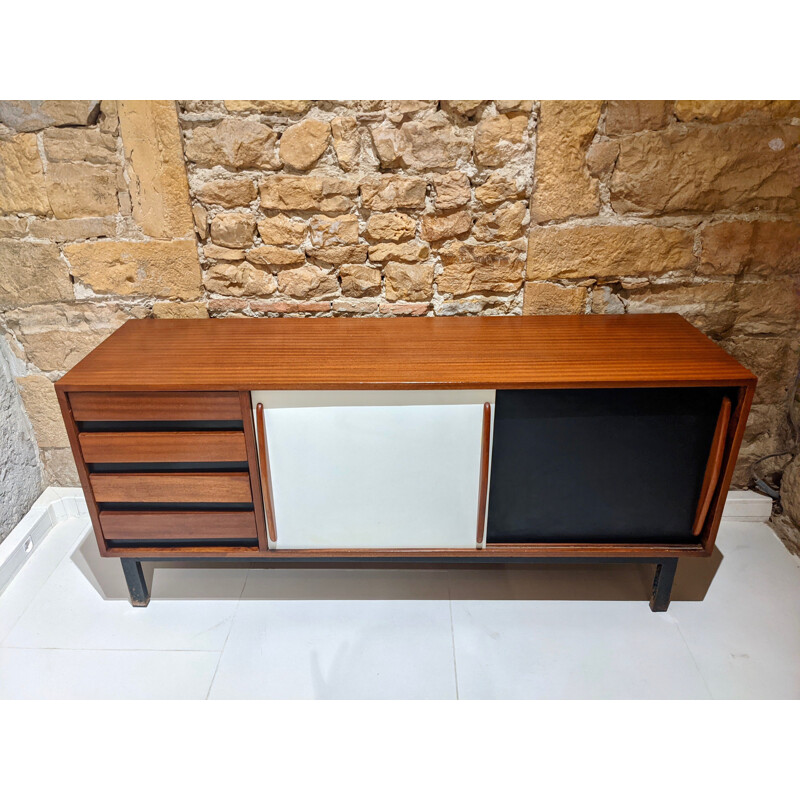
396,353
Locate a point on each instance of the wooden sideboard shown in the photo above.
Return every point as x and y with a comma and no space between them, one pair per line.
477,440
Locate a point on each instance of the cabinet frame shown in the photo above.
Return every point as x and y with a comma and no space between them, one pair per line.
702,547
211,366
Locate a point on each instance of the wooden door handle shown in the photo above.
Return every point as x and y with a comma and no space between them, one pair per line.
266,477
713,466
483,483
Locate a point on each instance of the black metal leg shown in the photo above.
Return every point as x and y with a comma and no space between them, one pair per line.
137,587
662,584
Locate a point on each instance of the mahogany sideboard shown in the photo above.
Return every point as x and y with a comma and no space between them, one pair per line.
471,440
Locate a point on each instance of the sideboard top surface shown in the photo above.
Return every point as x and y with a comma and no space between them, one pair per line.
396,353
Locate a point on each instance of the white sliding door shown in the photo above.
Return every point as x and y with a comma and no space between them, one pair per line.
374,469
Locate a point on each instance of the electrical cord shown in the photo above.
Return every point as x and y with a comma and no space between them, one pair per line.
760,484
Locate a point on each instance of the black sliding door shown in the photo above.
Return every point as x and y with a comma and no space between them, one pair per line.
599,465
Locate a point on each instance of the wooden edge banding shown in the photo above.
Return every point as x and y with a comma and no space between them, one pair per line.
266,478
252,465
713,466
483,484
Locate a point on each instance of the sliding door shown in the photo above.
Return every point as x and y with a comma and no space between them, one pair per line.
605,465
374,469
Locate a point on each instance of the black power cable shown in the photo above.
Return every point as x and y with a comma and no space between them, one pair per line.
758,483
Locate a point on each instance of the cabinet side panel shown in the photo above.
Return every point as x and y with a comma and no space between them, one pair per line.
80,464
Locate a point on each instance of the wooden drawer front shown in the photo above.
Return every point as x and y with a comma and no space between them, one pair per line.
178,525
169,447
125,406
171,487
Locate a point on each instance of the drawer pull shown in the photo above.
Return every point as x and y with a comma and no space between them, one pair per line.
713,467
483,484
266,478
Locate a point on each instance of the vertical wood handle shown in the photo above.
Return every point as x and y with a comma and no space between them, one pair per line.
483,484
713,466
266,477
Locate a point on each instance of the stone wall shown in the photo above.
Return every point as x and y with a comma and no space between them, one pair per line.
788,522
114,210
411,207
20,471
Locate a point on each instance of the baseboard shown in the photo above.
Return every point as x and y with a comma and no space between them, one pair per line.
747,506
52,506
58,503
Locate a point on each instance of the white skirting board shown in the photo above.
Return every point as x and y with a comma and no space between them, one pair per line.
747,506
57,503
53,505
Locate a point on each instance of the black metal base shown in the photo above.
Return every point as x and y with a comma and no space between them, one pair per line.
662,584
659,599
137,586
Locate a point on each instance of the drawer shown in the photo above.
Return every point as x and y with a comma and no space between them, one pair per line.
166,447
125,406
171,487
178,525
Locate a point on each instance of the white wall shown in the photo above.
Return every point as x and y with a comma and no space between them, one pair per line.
20,470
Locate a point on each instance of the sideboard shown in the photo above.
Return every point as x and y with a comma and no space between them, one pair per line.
453,440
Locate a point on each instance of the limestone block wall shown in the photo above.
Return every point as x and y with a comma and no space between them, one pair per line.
111,210
391,208
20,471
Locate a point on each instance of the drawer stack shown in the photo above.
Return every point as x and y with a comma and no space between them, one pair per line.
169,470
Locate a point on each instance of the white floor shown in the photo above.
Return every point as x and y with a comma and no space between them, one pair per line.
732,631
